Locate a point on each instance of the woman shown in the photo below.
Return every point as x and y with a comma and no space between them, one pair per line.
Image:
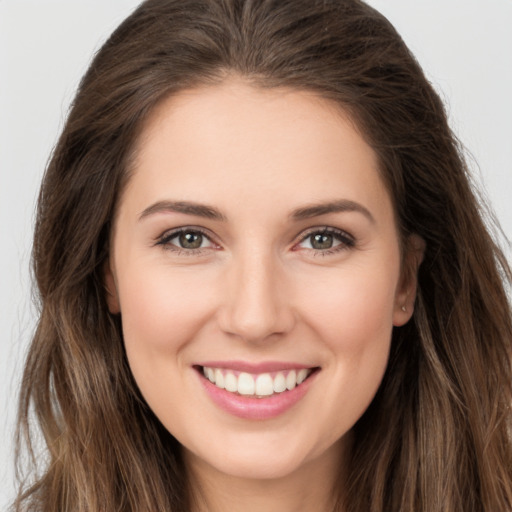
264,279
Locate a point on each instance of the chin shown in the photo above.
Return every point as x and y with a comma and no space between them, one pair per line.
264,457
251,467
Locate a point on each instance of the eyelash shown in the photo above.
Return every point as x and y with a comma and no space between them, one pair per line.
346,241
165,241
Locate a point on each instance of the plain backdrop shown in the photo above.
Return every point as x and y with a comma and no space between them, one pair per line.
465,46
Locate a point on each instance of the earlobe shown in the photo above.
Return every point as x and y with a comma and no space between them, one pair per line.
407,289
110,288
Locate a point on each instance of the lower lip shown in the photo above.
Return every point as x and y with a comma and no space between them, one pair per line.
252,408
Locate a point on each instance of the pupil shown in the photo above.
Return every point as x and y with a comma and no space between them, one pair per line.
191,240
321,241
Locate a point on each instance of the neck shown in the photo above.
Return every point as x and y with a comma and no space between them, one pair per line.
314,487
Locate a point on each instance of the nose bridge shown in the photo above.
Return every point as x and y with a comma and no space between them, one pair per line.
255,306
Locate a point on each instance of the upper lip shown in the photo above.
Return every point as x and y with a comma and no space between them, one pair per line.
255,368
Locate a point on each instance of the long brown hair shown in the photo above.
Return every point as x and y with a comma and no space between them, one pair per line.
437,435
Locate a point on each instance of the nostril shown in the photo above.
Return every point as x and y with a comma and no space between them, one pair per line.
254,307
256,324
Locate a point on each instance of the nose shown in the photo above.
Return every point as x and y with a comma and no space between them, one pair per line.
256,305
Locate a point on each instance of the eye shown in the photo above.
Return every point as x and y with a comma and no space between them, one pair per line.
326,240
186,239
190,240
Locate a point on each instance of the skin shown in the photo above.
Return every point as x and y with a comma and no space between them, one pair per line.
258,289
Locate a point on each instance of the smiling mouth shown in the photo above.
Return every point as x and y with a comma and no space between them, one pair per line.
261,385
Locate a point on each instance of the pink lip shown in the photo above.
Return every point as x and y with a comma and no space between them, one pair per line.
254,368
252,408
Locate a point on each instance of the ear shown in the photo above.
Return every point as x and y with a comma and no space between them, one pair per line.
406,292
111,288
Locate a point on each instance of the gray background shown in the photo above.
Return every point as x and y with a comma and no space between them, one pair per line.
45,45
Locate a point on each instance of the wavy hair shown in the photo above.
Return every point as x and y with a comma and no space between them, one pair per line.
437,434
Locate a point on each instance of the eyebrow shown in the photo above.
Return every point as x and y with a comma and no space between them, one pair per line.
186,207
209,212
342,205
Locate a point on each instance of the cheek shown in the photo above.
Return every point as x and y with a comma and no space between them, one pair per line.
161,313
159,308
353,309
354,321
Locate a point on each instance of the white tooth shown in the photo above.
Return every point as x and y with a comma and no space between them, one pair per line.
291,380
210,374
301,376
219,379
279,383
264,385
245,384
230,382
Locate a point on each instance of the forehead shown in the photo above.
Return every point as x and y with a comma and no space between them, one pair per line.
234,140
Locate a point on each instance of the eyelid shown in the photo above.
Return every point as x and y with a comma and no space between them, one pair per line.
346,240
165,238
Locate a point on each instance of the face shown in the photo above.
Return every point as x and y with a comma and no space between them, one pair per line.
256,266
